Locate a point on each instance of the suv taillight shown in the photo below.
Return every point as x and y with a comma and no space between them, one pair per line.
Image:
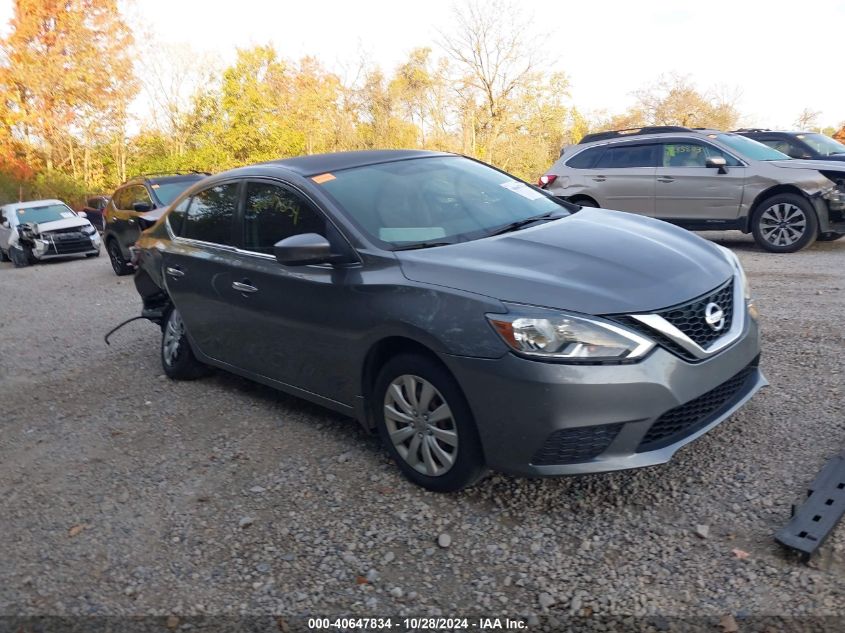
546,180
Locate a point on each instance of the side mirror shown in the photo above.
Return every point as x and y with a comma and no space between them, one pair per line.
82,214
141,207
717,162
303,249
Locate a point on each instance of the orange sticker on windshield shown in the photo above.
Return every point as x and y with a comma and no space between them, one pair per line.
322,178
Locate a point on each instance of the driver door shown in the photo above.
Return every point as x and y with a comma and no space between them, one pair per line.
686,189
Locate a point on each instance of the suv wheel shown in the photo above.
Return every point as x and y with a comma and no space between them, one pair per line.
785,223
177,357
426,424
118,264
20,258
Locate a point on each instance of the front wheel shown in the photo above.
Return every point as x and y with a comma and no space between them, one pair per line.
177,357
118,264
19,257
785,223
830,237
426,424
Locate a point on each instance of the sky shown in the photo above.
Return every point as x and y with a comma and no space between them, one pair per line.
781,56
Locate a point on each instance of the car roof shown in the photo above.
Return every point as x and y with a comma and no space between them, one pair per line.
324,163
624,136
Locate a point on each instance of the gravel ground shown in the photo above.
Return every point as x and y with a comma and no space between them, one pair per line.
126,493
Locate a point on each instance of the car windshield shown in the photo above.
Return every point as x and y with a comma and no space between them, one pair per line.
824,145
47,213
749,148
167,192
435,201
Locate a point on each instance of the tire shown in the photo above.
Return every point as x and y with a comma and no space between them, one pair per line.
3,256
442,455
19,257
118,263
785,223
97,254
177,357
830,237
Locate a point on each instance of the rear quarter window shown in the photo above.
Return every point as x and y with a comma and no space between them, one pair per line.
586,159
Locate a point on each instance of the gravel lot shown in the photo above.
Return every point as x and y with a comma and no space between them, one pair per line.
125,493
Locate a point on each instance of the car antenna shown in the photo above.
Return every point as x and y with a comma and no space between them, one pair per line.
115,329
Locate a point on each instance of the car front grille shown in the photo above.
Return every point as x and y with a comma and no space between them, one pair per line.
67,242
572,446
689,319
688,418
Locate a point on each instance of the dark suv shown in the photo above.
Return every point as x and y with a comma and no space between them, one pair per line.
135,206
802,145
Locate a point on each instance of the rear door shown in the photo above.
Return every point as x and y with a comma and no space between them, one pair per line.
623,177
197,268
687,189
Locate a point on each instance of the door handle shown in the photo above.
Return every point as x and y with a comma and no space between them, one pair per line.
665,179
174,272
600,178
244,286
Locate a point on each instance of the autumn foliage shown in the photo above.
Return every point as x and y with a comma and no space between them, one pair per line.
69,71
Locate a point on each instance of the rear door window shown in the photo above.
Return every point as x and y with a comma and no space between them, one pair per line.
273,213
211,213
626,156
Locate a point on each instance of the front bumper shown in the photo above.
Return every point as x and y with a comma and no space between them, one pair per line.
48,248
538,418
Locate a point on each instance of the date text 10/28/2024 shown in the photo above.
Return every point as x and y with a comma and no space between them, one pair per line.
416,624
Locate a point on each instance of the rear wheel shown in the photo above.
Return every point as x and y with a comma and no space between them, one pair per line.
118,263
3,256
426,424
177,357
785,223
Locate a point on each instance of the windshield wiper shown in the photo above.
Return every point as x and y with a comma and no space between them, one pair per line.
416,245
515,226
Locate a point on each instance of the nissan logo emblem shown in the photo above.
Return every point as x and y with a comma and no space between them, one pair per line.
714,316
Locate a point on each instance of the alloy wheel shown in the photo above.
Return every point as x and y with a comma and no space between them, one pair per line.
420,425
173,333
783,224
116,258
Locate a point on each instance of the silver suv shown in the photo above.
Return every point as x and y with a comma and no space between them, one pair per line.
705,180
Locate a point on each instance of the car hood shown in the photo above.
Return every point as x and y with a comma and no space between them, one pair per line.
818,165
66,223
594,262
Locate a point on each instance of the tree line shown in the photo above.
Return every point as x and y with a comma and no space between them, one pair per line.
69,73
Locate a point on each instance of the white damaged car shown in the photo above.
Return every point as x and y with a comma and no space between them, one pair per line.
44,229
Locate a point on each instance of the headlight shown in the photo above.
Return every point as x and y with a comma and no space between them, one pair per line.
733,260
89,230
562,336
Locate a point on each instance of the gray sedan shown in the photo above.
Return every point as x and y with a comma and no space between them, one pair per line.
475,321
